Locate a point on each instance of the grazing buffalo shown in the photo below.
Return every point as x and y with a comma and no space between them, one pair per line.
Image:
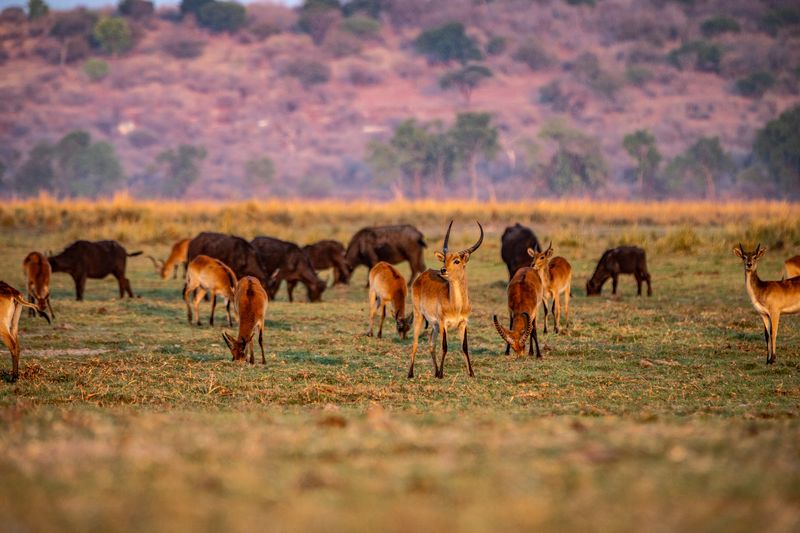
235,252
515,243
95,260
292,265
616,261
393,244
329,254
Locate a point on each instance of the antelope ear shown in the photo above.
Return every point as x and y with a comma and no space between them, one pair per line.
737,251
531,252
227,340
439,256
761,251
465,257
549,252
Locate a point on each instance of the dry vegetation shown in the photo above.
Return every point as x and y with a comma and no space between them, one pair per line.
656,411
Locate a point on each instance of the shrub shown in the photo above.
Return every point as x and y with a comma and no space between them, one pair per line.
781,18
317,19
96,69
193,6
37,9
307,71
496,45
587,69
113,34
718,25
142,138
552,95
680,240
222,16
361,26
532,55
755,85
181,47
448,42
638,76
136,9
361,75
341,44
707,56
590,3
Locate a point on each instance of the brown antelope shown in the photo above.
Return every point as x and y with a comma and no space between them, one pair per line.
251,304
11,304
441,298
556,276
386,284
770,298
208,274
37,271
791,267
524,295
178,256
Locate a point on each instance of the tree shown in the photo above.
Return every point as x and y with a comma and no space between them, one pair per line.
98,171
181,168
222,16
137,9
36,173
37,9
701,163
66,154
473,135
72,29
465,79
259,170
317,17
641,146
446,43
192,6
114,35
777,145
578,165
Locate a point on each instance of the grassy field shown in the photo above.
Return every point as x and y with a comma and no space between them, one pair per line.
645,413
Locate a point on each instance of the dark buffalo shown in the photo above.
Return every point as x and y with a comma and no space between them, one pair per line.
515,243
393,244
234,251
616,261
95,260
292,265
329,254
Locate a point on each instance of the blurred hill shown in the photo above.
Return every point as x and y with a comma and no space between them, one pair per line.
287,102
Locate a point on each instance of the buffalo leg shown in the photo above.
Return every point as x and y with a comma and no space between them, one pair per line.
80,284
649,288
614,280
638,283
290,285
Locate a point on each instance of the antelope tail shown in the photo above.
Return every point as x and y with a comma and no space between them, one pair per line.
29,305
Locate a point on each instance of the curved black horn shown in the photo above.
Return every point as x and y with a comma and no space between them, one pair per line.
475,246
758,247
447,238
528,328
741,249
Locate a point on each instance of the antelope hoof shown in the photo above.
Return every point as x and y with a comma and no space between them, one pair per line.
410,374
368,334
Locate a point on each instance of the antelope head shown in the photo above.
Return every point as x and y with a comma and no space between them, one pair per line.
404,323
515,339
237,346
159,266
539,260
750,259
456,262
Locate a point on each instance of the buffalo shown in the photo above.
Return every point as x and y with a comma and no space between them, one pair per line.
329,254
516,240
292,264
235,252
616,261
95,260
393,244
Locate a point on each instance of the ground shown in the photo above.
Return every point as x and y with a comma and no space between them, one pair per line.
656,411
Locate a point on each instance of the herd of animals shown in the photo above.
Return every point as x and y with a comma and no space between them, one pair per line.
248,274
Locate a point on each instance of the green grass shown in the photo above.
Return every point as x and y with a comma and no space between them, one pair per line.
654,413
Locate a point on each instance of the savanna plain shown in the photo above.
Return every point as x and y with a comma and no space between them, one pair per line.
654,414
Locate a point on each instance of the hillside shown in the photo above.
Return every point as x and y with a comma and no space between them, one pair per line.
261,91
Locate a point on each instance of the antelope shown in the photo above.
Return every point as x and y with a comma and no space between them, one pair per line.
178,256
441,298
524,294
791,267
386,284
251,304
556,276
11,304
37,271
770,298
208,274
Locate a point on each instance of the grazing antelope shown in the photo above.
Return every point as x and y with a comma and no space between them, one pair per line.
386,284
791,267
524,294
556,276
251,304
441,298
37,271
208,274
11,304
178,256
770,298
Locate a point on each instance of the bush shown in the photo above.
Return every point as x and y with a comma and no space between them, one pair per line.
96,69
707,56
113,34
317,19
552,95
361,26
341,44
781,18
496,46
181,47
222,16
755,85
638,76
136,9
718,25
446,43
680,240
532,55
361,76
307,71
193,6
587,69
142,138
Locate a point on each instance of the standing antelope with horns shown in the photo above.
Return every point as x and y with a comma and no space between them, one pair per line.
386,285
178,256
441,298
556,276
770,298
524,295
